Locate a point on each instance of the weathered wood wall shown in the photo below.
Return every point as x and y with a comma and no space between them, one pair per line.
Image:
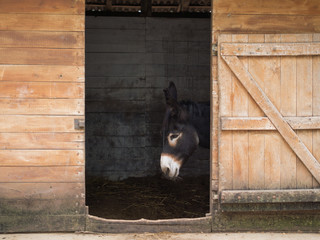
253,16
41,93
128,63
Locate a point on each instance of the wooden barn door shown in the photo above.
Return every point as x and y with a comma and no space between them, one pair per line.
269,121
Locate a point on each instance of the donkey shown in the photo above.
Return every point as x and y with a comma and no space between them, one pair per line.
186,125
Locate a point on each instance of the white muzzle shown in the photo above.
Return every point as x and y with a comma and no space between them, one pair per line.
169,165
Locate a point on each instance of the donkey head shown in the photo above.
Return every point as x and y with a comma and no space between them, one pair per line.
180,138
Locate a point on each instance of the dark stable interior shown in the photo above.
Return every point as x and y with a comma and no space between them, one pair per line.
129,61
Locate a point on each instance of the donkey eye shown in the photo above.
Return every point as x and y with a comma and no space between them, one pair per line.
173,136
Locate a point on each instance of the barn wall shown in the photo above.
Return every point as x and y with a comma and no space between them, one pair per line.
128,63
41,93
252,16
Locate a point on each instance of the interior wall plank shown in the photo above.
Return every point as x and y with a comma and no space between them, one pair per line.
256,139
41,90
285,7
41,157
43,6
41,73
50,174
225,108
240,139
23,123
288,108
41,39
304,108
316,104
42,190
41,22
42,56
52,140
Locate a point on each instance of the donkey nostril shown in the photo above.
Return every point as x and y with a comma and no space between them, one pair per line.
167,171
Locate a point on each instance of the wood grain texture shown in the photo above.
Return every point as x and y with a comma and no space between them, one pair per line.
271,196
43,6
240,107
304,108
284,7
225,109
284,129
37,39
273,49
21,123
41,106
27,90
41,190
42,174
263,123
28,141
41,22
316,103
41,158
42,56
41,73
288,108
233,23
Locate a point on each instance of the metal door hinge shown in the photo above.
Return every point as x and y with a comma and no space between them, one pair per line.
79,124
214,49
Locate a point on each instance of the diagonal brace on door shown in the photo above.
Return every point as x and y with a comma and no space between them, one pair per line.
274,115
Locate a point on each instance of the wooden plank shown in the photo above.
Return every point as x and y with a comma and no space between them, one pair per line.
43,223
43,6
42,39
270,49
41,22
273,140
240,107
42,73
20,123
288,107
42,106
284,7
270,196
42,190
30,141
304,108
263,123
225,146
42,174
42,56
48,207
181,225
274,115
256,139
41,157
41,90
233,23
316,103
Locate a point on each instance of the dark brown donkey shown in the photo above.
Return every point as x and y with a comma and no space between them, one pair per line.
186,125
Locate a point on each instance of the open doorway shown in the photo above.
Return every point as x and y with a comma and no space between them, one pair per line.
129,61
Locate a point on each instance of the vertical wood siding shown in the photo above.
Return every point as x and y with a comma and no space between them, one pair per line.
41,93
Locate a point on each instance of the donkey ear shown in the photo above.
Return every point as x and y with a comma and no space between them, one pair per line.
170,93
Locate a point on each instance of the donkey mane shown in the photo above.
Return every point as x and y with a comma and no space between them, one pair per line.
200,109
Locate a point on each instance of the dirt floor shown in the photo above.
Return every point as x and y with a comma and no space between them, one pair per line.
148,197
164,236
